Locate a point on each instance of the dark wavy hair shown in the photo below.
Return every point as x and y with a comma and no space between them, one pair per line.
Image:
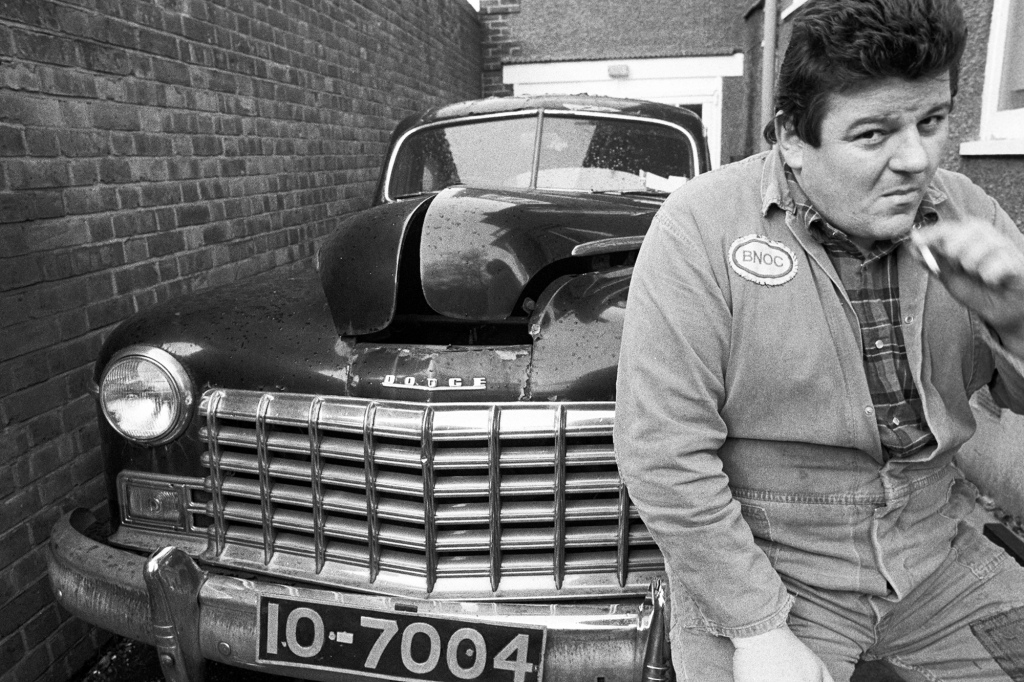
837,45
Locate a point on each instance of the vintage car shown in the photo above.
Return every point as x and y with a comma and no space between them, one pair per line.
399,465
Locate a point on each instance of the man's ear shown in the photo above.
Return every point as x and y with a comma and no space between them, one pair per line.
790,144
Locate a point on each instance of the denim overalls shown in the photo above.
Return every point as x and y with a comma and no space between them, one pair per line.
745,429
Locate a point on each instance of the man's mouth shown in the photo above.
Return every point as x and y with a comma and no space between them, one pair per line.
903,193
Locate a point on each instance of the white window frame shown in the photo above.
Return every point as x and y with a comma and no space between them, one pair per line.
1001,132
792,8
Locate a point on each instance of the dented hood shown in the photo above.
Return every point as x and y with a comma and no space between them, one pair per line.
477,249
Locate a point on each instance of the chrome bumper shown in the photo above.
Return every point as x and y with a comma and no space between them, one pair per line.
191,615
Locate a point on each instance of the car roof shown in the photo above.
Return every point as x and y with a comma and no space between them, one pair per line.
574,103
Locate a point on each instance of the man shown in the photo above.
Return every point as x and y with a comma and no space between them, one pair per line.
794,383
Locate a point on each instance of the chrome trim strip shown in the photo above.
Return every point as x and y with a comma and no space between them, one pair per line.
494,493
537,139
610,245
263,464
316,465
213,401
370,474
559,529
429,508
622,556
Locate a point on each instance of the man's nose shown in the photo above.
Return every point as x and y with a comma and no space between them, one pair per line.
910,154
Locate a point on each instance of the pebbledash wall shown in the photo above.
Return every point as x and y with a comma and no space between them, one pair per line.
153,148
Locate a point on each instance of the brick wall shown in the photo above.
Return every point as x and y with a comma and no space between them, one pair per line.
153,148
498,45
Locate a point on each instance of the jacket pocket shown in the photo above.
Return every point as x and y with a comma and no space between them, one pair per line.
977,553
960,499
971,549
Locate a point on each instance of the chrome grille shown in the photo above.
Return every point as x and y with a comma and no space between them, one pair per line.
468,498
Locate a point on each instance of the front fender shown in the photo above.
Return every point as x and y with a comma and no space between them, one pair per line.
577,333
359,266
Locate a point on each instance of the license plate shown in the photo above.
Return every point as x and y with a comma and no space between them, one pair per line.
396,645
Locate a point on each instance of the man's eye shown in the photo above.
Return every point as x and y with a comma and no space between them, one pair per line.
870,135
932,122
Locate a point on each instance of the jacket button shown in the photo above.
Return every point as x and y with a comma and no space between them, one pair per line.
908,319
869,410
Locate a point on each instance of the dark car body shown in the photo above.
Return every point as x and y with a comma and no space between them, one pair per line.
400,466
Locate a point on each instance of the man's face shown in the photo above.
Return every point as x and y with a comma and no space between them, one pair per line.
881,143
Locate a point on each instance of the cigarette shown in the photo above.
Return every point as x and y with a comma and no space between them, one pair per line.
929,260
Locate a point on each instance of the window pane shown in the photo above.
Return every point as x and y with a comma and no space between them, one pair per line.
495,153
1011,92
607,154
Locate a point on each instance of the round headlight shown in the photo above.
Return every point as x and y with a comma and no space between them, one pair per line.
146,395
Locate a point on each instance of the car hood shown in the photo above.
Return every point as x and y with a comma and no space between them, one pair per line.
477,249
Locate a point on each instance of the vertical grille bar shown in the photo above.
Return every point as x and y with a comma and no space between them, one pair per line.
622,556
316,470
494,490
216,474
559,529
370,471
429,510
263,462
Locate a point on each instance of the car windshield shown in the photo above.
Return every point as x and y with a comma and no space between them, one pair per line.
575,153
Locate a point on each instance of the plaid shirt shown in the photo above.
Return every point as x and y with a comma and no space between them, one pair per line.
872,283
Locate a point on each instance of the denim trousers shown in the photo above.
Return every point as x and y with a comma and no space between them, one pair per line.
964,622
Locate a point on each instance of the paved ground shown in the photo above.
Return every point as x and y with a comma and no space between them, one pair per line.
126,660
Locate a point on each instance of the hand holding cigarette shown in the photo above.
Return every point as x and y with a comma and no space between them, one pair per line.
981,267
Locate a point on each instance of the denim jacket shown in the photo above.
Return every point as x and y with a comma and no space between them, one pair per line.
745,430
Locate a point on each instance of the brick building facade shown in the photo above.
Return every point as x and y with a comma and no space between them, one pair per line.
699,54
153,148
